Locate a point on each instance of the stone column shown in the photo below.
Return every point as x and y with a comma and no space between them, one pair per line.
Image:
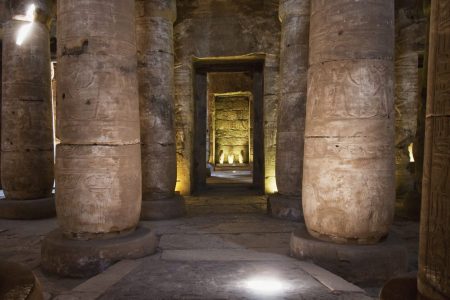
349,169
27,135
98,162
409,43
434,253
294,17
156,94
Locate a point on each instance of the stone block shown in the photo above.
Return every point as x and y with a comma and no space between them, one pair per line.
285,207
163,209
90,112
81,259
18,282
27,174
351,98
98,188
356,32
27,209
360,264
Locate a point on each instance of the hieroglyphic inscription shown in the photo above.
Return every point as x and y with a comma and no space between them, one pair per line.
91,199
350,89
434,264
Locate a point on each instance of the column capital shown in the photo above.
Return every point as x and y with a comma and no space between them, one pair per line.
157,9
289,8
45,9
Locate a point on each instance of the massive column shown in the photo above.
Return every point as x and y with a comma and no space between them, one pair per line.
294,17
27,135
98,162
434,252
349,169
348,193
154,29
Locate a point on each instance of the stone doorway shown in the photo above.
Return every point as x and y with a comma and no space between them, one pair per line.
228,130
230,136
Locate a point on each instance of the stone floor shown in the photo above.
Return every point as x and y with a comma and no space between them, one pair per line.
225,248
239,176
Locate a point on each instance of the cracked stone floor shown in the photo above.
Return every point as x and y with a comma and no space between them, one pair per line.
225,248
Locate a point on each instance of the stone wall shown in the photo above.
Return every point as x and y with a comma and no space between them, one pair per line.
222,83
232,127
211,28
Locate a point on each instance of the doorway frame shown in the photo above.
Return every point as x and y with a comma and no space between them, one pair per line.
253,64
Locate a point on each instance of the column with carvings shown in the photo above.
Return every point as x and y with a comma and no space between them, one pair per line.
154,27
27,135
349,169
294,17
434,252
98,162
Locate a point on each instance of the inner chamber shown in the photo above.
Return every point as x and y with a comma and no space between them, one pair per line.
229,134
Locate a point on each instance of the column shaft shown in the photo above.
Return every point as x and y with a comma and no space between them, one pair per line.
27,139
348,179
154,27
98,163
294,16
434,252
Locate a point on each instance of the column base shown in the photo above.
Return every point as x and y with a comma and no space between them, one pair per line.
427,292
18,282
285,207
163,209
81,259
361,264
400,288
27,209
405,287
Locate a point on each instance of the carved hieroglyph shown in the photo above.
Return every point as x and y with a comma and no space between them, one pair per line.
294,16
27,142
98,163
232,127
348,180
98,187
154,26
434,254
98,81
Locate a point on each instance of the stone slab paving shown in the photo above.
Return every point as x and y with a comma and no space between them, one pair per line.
220,253
20,242
225,241
165,279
